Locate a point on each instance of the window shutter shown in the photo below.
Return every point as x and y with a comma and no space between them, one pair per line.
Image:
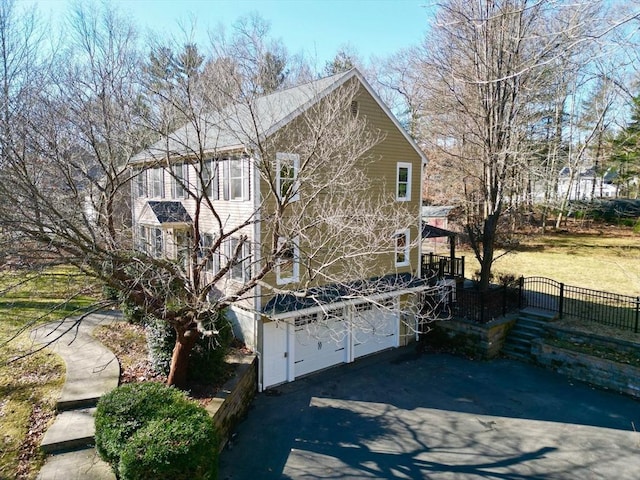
246,178
225,179
214,178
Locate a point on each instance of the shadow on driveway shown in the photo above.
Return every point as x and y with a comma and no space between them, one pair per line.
399,415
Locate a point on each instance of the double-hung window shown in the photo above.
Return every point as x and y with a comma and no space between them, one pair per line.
210,179
140,183
158,244
156,181
212,262
236,179
240,268
403,182
401,239
287,261
287,166
180,179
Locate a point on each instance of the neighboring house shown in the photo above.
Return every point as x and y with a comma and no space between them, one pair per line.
585,185
293,332
436,216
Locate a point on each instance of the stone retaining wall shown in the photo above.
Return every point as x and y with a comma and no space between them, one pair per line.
479,339
232,402
616,376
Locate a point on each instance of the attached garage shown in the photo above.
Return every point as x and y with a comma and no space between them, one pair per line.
309,343
319,343
330,326
375,328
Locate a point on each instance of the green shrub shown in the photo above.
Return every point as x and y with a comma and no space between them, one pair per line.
150,430
176,450
206,360
123,411
636,227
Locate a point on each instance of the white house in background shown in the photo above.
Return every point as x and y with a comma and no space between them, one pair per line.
586,185
293,335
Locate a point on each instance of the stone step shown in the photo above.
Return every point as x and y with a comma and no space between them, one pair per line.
77,465
525,334
539,315
72,429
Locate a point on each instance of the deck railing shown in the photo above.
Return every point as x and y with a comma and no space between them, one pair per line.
442,266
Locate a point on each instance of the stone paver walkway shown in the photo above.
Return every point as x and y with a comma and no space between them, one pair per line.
91,371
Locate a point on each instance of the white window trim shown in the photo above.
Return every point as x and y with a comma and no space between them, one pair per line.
294,159
245,172
207,240
210,176
295,268
244,260
407,249
151,182
140,184
184,179
408,166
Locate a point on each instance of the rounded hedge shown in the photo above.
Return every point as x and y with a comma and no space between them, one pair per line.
150,430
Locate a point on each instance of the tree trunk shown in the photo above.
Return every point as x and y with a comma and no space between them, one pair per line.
488,245
185,341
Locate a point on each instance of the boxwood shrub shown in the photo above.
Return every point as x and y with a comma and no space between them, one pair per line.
150,430
206,360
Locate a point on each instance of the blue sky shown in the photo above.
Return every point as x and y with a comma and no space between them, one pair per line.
318,28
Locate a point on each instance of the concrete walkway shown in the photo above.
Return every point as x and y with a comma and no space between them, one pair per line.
91,371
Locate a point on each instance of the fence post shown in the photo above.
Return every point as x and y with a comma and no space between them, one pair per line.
481,306
635,328
561,301
462,268
520,290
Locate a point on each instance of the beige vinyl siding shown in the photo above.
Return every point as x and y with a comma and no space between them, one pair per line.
392,149
231,212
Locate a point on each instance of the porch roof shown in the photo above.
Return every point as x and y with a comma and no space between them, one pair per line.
170,212
429,231
337,295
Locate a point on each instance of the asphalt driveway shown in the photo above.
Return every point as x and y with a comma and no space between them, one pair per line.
402,416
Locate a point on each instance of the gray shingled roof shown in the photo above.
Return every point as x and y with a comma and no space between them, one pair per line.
334,293
170,212
436,211
234,127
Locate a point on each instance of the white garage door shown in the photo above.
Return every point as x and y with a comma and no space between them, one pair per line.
319,343
375,328
274,354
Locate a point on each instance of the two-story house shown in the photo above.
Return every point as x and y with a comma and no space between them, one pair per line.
285,203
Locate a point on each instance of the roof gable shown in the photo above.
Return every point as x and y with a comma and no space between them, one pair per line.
236,126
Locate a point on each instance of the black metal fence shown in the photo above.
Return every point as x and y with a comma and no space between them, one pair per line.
612,309
482,307
443,266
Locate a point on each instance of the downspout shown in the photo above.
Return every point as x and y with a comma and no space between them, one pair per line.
423,166
257,301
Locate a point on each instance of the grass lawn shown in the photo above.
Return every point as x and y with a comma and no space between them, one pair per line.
30,387
608,262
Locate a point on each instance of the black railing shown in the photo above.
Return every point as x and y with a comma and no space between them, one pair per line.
613,309
442,266
482,307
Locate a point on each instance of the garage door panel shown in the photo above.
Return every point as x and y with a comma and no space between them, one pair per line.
319,345
374,330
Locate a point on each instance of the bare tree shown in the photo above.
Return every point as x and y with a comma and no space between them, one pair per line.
489,62
69,197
